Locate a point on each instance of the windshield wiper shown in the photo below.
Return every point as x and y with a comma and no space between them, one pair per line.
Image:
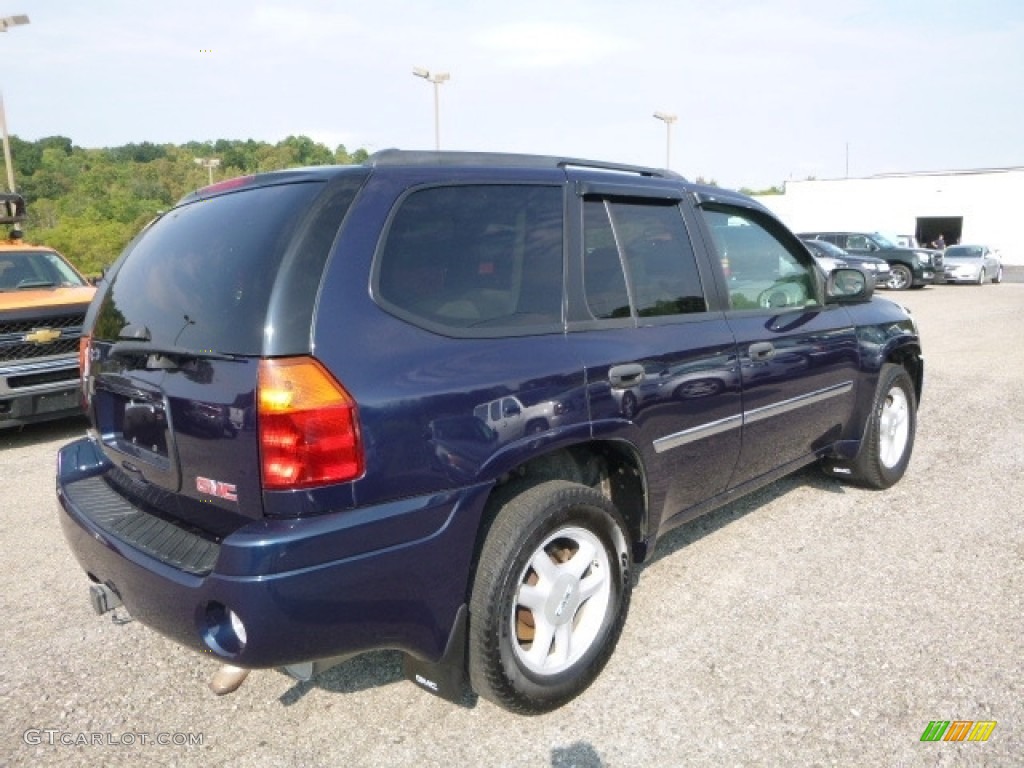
126,349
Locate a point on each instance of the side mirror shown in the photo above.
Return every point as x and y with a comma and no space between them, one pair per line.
847,285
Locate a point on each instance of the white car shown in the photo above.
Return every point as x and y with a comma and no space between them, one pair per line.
972,264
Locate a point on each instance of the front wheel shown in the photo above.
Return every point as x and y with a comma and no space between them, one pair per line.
888,434
900,277
981,276
549,598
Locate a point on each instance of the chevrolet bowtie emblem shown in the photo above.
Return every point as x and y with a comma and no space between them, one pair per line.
42,336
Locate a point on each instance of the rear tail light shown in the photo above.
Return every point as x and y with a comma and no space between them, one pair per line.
308,426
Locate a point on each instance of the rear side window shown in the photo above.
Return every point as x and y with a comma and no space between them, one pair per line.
858,243
475,260
211,275
640,254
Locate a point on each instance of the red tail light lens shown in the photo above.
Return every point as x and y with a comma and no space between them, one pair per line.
308,425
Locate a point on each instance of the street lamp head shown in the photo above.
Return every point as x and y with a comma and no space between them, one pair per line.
437,78
12,21
667,117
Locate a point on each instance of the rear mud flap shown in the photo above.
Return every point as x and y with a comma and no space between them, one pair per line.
446,677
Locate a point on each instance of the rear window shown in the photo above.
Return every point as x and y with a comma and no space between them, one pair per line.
475,260
208,275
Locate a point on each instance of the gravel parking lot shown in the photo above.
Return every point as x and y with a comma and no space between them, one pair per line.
809,624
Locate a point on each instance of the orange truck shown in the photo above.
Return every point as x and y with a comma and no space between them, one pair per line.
43,300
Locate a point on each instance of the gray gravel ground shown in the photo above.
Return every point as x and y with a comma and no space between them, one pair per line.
809,624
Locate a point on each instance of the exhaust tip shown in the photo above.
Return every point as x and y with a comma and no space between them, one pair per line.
228,679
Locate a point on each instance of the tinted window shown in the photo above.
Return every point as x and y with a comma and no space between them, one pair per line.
659,262
857,243
760,270
469,258
202,276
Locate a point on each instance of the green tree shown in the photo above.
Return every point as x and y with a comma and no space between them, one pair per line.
88,203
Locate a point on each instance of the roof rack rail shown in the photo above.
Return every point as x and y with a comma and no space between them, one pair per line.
397,157
12,208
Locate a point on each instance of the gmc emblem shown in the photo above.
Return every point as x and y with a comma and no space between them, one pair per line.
227,491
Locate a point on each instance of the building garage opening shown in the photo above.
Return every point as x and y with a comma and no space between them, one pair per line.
930,227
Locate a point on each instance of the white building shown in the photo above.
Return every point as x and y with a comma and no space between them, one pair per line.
978,206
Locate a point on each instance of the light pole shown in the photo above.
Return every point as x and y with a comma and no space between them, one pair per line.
209,163
436,78
668,120
5,22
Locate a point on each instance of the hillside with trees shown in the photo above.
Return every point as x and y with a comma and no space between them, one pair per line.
88,203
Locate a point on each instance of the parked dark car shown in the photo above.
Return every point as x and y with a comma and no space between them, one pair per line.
830,256
290,462
909,267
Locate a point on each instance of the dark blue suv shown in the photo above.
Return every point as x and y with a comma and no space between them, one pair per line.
444,403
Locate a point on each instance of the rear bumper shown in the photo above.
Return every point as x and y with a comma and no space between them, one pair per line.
391,576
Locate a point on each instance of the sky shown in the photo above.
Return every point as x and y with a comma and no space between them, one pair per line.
764,90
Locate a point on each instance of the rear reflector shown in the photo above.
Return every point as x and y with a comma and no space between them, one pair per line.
308,425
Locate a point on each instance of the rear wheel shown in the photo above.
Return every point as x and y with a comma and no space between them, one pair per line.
900,277
999,275
549,598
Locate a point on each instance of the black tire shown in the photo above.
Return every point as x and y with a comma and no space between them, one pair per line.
999,275
888,435
556,519
900,277
981,276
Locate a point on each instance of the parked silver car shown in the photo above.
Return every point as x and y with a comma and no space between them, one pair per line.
972,264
